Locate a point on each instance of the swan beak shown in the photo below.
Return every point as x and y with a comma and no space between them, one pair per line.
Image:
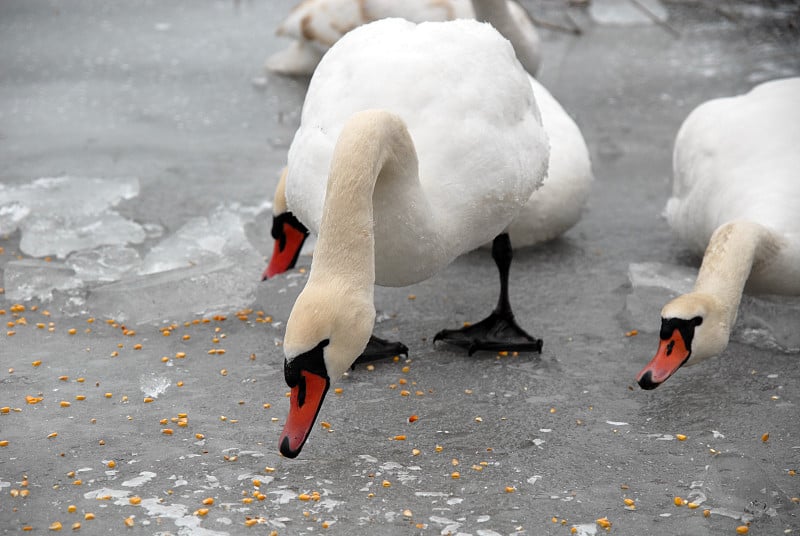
671,355
289,235
304,404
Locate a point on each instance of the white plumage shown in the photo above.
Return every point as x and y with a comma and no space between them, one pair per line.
471,113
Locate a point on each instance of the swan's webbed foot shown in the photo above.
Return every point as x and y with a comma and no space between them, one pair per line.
378,348
497,332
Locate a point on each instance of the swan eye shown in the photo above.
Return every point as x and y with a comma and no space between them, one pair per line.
312,361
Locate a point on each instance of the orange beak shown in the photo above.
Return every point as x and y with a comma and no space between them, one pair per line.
289,235
304,404
671,354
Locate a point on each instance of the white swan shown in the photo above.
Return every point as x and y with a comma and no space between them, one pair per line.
736,193
315,25
399,167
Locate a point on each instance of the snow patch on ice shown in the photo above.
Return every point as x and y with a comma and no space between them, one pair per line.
153,386
143,478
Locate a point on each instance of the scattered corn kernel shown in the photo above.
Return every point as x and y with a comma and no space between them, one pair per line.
415,452
386,483
135,500
250,522
208,501
764,438
201,512
680,437
510,489
693,505
742,529
400,438
56,525
51,436
604,522
338,390
88,516
72,331
167,431
129,521
629,502
304,497
4,443
455,474
678,501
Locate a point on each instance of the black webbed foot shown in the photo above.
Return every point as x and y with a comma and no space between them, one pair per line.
378,348
494,333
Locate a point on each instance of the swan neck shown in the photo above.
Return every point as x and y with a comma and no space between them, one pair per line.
498,14
373,146
732,252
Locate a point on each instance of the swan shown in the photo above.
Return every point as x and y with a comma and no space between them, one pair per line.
399,167
554,208
315,25
736,193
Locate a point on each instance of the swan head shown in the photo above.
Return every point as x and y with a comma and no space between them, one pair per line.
326,332
693,328
287,231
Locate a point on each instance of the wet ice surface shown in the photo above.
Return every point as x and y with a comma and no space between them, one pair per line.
173,95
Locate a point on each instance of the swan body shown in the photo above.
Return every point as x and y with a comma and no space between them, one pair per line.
399,167
315,25
736,196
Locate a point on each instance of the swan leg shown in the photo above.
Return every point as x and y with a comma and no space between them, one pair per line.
499,331
378,348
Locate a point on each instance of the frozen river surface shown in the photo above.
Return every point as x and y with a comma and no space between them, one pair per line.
141,362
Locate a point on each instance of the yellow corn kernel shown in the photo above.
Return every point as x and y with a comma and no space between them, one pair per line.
55,525
706,512
129,521
64,404
76,525
604,522
304,497
678,501
80,397
510,489
386,484
167,431
208,501
629,502
250,522
201,512
455,474
111,464
742,529
764,438
88,516
135,500
680,437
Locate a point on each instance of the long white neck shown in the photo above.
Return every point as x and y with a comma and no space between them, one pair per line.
374,146
497,13
734,251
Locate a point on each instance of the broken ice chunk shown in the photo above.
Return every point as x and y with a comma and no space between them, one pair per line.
202,241
59,215
106,264
30,278
218,287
